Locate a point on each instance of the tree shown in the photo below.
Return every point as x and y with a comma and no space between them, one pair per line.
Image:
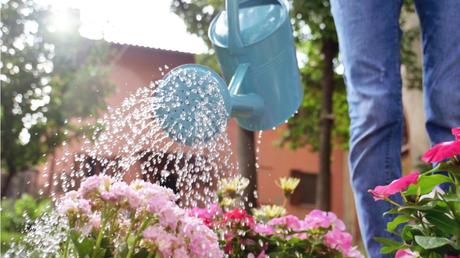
322,120
49,76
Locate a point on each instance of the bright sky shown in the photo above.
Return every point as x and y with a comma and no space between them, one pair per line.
138,22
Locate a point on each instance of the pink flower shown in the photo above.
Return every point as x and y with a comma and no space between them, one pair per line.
406,253
180,252
134,199
150,191
169,217
93,223
264,229
163,240
89,184
71,202
398,185
108,196
444,150
207,215
119,189
338,240
289,221
156,205
322,219
202,241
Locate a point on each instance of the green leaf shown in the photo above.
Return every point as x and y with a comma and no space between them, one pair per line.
143,253
388,245
451,165
406,233
442,222
85,246
392,225
122,250
426,183
428,242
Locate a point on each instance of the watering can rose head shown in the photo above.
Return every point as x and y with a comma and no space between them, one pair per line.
193,104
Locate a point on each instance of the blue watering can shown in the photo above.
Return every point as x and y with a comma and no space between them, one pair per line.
255,48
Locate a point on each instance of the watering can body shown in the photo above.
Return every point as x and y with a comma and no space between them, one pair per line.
255,48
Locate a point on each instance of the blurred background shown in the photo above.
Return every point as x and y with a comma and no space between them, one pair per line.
64,63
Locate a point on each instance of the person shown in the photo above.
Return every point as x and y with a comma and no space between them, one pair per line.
369,38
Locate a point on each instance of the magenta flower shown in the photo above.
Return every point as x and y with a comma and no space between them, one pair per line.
444,150
240,217
384,191
406,253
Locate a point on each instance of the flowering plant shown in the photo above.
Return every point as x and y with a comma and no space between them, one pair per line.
428,219
109,218
272,233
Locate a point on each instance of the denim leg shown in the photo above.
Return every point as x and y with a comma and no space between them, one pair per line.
440,20
369,39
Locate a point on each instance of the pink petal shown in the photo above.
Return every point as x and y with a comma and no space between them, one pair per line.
456,133
442,151
384,191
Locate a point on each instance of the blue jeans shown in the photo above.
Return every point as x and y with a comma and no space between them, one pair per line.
369,38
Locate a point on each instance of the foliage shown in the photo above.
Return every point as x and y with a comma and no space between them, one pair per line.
313,25
49,77
272,233
428,219
18,215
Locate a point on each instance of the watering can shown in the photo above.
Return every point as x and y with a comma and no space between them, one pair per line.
255,48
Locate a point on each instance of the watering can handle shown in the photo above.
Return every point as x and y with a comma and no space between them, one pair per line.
233,23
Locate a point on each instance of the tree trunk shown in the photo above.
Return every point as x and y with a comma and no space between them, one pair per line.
247,165
51,173
9,178
323,191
